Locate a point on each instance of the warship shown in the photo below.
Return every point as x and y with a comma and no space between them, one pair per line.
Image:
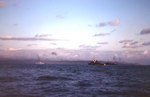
38,61
95,62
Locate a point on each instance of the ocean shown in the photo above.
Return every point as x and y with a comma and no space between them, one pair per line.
65,80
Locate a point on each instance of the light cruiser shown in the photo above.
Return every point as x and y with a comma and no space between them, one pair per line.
95,62
39,62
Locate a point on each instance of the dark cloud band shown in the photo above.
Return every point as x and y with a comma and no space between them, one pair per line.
145,31
27,38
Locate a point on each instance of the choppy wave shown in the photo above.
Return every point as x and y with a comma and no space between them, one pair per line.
46,77
74,81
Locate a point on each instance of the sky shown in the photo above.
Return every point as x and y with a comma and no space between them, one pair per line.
75,29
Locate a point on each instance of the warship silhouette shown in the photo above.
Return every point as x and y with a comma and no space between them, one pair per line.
95,62
39,61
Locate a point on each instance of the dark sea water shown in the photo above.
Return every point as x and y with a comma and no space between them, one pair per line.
74,81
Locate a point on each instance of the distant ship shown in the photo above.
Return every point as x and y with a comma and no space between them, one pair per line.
39,62
95,62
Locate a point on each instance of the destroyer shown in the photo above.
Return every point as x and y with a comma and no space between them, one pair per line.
38,61
95,62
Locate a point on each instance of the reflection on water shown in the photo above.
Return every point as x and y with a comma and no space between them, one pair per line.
74,81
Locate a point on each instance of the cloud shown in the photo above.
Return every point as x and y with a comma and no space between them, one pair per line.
102,24
32,44
60,16
145,31
134,42
54,53
16,24
14,49
125,41
145,52
88,47
114,23
53,43
102,34
128,45
102,43
2,3
113,30
42,35
110,23
27,38
146,43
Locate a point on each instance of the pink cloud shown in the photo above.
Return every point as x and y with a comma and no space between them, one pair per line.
127,45
145,31
114,23
111,23
14,49
145,52
2,3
